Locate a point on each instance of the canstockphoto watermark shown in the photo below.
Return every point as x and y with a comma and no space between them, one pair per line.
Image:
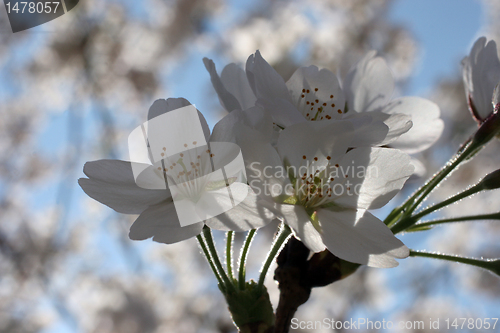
357,324
169,152
431,324
310,179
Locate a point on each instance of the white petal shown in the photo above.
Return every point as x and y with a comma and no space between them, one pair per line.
420,169
261,161
112,183
369,129
258,119
162,106
314,90
248,214
314,139
235,81
211,203
427,126
360,237
369,85
161,223
255,117
297,218
496,96
397,124
123,199
264,80
120,173
282,111
110,171
226,98
375,176
224,130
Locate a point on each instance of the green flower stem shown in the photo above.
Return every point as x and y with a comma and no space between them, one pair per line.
474,146
215,256
243,259
406,223
210,261
489,129
406,208
438,178
492,265
494,216
280,239
394,216
229,256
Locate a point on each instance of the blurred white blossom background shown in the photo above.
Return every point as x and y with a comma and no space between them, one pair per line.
72,90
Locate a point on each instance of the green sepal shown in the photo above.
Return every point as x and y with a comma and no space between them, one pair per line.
291,200
251,308
347,268
416,228
313,218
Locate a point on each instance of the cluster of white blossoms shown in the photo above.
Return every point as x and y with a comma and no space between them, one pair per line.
311,126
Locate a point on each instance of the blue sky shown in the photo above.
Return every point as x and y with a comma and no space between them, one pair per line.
445,30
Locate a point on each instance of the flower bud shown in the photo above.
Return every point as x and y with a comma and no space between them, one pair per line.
491,181
481,72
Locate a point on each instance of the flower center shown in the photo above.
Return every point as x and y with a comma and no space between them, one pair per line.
318,106
313,183
187,170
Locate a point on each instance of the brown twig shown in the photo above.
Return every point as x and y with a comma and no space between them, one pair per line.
297,276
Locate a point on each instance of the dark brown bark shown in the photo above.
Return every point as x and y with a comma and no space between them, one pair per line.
292,278
297,276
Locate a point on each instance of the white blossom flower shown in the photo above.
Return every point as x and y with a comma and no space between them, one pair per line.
313,94
322,188
368,87
113,183
481,74
286,103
